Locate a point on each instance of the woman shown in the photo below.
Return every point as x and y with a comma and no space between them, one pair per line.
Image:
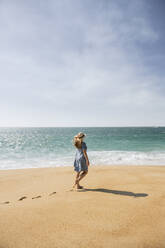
81,161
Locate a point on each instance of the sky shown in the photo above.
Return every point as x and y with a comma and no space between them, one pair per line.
82,63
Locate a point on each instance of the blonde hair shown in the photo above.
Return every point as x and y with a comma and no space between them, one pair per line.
78,139
77,142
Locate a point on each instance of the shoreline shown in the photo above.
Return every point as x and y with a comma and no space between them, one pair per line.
121,206
69,166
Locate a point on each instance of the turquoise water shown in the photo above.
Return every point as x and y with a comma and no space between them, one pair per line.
50,147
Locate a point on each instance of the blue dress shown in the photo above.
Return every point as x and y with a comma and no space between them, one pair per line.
80,161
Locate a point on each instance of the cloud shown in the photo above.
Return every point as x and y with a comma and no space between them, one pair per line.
78,63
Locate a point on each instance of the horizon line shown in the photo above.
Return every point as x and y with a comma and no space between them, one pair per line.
155,126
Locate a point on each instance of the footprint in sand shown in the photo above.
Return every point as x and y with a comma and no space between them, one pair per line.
6,202
22,198
52,193
39,196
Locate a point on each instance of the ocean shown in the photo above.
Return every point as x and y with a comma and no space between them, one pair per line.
52,147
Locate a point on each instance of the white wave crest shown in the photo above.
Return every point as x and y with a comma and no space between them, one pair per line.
95,157
127,158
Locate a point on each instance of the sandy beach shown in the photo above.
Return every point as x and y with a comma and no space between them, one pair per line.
121,206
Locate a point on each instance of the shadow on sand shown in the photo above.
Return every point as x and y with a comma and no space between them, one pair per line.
117,192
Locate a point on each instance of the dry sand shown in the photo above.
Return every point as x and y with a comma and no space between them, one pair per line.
122,207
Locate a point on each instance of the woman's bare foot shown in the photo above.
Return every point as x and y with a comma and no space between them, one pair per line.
79,186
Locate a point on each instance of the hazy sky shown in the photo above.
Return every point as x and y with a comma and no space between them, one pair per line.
82,62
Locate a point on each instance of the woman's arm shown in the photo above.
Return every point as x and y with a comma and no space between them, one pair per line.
86,157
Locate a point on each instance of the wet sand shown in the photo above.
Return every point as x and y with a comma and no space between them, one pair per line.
120,207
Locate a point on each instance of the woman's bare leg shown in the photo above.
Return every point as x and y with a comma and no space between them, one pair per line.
77,179
81,176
